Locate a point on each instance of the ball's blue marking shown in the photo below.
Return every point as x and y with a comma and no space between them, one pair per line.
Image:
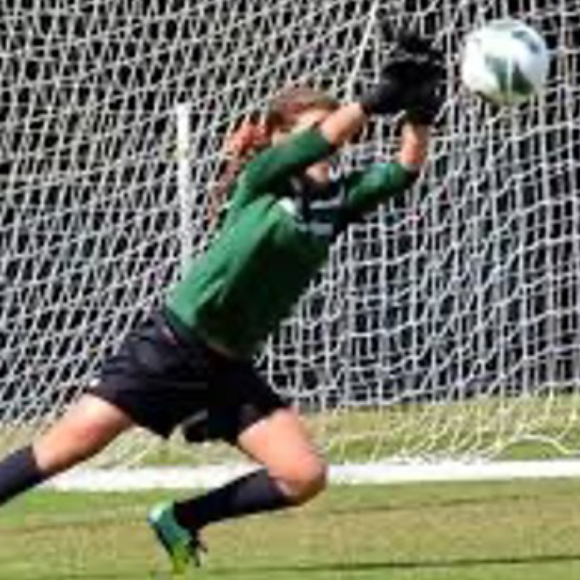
510,78
527,38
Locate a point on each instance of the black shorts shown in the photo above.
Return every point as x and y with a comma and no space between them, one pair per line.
163,381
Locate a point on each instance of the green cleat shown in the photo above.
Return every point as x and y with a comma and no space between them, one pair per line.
182,547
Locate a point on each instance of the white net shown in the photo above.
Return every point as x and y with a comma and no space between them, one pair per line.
447,325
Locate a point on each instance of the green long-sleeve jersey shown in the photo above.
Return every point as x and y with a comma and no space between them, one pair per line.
275,237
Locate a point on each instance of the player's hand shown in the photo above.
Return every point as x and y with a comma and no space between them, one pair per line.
415,67
427,96
426,104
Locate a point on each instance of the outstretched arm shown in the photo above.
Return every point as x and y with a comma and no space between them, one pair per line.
383,181
347,122
408,82
366,190
414,146
308,147
342,125
303,149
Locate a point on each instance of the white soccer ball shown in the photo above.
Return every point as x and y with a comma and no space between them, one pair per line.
505,62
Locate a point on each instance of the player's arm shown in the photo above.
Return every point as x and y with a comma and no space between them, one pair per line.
367,189
382,181
401,83
414,146
303,149
300,151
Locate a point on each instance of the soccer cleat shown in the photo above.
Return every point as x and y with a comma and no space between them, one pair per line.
182,546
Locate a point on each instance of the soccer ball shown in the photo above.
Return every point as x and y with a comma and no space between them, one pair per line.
505,62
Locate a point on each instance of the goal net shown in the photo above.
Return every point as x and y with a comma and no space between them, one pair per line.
445,326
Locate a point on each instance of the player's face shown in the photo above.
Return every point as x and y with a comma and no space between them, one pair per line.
319,172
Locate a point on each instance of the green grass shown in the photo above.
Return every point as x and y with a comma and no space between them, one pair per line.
501,531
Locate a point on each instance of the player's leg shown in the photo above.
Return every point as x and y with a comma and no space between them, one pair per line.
282,444
85,429
241,408
82,432
293,473
133,388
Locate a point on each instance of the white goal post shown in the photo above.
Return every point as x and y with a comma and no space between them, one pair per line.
444,328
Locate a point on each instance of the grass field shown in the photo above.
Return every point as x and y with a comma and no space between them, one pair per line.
501,531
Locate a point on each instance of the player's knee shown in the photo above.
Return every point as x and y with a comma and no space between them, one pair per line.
305,481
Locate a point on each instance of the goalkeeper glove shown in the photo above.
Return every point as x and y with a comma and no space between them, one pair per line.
414,67
425,106
427,97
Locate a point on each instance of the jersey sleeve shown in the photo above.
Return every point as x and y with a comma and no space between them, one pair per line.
279,162
365,190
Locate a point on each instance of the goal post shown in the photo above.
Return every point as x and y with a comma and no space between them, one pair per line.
185,186
446,327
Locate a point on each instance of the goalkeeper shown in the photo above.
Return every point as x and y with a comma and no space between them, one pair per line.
189,365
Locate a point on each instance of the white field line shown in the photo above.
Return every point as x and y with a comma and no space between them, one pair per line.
145,478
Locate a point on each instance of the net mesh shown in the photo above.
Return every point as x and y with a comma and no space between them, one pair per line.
446,324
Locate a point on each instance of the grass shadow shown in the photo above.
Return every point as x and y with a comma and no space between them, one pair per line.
116,575
398,565
328,568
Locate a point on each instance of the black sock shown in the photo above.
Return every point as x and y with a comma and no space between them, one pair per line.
18,472
253,493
